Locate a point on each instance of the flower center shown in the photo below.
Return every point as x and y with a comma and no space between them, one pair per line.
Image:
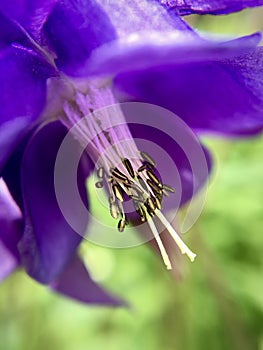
122,169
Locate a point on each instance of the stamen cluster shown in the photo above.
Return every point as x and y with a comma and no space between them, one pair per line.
126,172
143,187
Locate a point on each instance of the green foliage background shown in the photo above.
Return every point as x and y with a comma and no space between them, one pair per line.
218,305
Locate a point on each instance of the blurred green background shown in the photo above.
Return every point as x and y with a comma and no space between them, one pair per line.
218,305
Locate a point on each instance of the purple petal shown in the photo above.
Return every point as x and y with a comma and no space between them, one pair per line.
129,16
31,14
164,48
75,282
223,95
10,32
23,78
10,133
87,27
10,232
90,26
23,82
48,241
215,7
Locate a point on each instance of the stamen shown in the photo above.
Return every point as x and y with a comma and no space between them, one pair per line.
121,167
99,184
146,192
129,167
145,156
120,206
121,225
182,246
158,203
136,198
169,188
154,187
134,187
150,203
141,212
110,179
142,168
165,193
118,192
153,177
119,175
111,199
100,172
164,255
142,183
114,210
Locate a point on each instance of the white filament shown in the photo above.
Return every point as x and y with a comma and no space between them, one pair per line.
164,254
180,243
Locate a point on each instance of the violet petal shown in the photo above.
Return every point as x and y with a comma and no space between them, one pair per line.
23,78
10,134
75,282
129,16
87,27
165,48
10,232
31,14
10,32
48,241
215,7
223,96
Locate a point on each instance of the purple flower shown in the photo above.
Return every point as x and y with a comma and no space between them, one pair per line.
60,63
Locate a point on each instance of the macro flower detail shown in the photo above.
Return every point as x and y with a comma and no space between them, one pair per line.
62,63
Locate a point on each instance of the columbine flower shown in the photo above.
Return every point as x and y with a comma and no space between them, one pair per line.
132,49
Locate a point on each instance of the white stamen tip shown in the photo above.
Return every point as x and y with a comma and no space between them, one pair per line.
180,243
192,257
